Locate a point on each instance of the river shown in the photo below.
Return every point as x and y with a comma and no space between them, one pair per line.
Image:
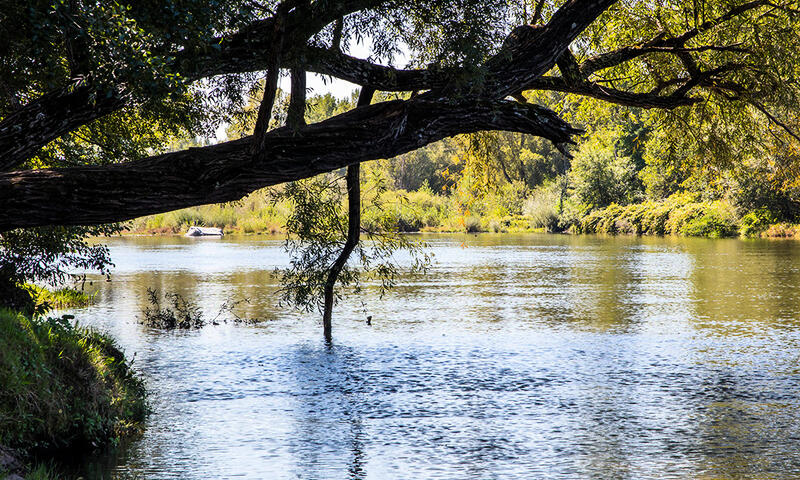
514,357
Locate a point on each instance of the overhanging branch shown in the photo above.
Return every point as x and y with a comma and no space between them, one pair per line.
228,171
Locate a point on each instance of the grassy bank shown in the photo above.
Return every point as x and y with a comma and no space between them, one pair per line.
416,211
45,299
424,211
63,386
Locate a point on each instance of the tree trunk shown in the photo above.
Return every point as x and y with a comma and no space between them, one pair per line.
353,236
353,229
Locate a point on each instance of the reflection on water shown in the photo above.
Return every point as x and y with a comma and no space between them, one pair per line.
523,357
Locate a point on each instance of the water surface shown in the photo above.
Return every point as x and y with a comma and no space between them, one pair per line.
515,357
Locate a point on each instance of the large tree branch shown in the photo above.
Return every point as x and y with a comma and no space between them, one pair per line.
611,95
50,116
252,47
228,171
55,114
534,50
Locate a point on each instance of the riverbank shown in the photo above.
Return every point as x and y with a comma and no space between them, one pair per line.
684,215
423,211
64,387
415,211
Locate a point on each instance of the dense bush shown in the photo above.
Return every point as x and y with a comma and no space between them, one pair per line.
680,214
755,222
754,187
782,230
601,176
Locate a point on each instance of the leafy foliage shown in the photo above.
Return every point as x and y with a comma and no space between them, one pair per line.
601,175
316,232
50,254
677,215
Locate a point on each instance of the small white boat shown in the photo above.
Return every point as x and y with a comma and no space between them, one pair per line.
204,232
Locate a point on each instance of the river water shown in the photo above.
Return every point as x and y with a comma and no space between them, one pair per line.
514,357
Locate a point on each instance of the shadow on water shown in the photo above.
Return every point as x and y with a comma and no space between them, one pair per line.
329,411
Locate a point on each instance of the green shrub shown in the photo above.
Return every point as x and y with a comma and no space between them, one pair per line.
654,218
678,215
252,225
782,230
472,224
183,218
63,386
709,224
601,175
219,216
704,219
408,220
755,222
495,226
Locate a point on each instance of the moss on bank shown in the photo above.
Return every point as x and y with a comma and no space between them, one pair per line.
63,386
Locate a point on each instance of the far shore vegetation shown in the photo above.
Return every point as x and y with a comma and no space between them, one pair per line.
422,210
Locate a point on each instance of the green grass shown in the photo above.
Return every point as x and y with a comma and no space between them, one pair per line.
63,386
46,299
416,211
42,471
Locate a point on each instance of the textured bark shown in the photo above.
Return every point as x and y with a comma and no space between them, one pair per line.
265,107
296,116
228,171
533,50
353,235
43,120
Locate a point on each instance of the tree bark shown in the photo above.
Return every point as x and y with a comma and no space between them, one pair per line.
228,171
353,228
353,236
296,116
